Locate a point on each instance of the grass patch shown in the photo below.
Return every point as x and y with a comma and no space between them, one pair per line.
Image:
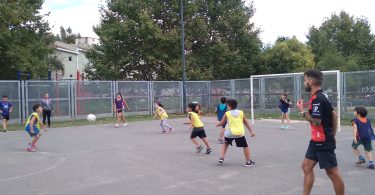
99,121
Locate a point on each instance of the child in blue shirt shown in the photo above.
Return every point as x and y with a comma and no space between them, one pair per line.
220,111
363,135
5,109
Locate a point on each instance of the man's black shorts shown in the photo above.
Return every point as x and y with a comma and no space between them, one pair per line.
198,132
5,117
240,141
326,158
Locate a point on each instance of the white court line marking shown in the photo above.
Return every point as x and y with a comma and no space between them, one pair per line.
62,160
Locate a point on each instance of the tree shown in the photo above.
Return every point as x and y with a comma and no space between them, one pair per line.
24,39
67,35
343,42
140,39
287,55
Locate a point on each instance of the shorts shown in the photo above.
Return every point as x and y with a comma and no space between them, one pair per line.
120,111
5,117
366,144
198,132
240,141
36,131
285,111
326,158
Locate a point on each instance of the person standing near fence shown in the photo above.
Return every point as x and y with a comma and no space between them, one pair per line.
323,120
5,108
285,110
47,109
119,108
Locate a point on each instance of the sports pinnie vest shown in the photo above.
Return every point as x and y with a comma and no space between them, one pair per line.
197,121
235,123
36,115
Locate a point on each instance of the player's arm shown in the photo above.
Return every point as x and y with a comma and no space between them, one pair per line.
32,122
334,122
247,125
355,131
222,122
11,107
316,121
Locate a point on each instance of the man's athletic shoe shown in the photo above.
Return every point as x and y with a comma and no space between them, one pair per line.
164,132
116,125
282,127
125,124
199,149
360,161
208,151
221,160
250,164
372,166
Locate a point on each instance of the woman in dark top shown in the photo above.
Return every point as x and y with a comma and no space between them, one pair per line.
47,109
285,110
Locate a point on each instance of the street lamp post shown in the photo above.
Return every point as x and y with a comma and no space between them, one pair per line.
183,57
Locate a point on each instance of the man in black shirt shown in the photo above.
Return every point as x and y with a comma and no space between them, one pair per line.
323,121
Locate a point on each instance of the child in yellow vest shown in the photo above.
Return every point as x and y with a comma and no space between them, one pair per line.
197,127
236,121
33,126
159,111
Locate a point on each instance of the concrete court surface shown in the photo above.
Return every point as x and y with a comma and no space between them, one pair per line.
139,160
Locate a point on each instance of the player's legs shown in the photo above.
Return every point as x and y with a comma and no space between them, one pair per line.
164,122
48,119
123,118
206,142
35,140
338,183
369,155
309,177
118,114
282,119
224,150
44,117
4,124
287,119
246,152
194,140
162,126
221,136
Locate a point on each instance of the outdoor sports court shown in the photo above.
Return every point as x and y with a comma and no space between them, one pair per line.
139,160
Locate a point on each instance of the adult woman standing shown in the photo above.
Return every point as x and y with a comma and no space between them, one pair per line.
47,109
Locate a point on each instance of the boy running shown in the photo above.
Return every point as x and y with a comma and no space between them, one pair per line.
5,109
363,134
197,127
119,108
33,125
220,112
159,111
236,131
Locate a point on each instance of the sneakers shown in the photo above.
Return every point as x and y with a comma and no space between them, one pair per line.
199,149
371,166
250,164
208,151
116,125
4,131
220,141
286,127
361,161
31,148
125,124
282,127
163,132
221,160
171,130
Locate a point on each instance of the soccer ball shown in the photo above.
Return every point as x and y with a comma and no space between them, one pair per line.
91,117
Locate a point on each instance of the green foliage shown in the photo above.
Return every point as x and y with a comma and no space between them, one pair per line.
67,35
287,55
140,40
343,42
24,42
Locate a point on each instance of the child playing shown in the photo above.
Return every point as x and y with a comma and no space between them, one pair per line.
159,111
363,135
197,127
220,111
5,109
236,131
285,110
33,125
119,107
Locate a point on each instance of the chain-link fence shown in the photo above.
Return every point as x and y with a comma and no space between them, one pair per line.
76,99
93,97
59,92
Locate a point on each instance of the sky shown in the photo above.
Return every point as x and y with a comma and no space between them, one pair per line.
274,17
